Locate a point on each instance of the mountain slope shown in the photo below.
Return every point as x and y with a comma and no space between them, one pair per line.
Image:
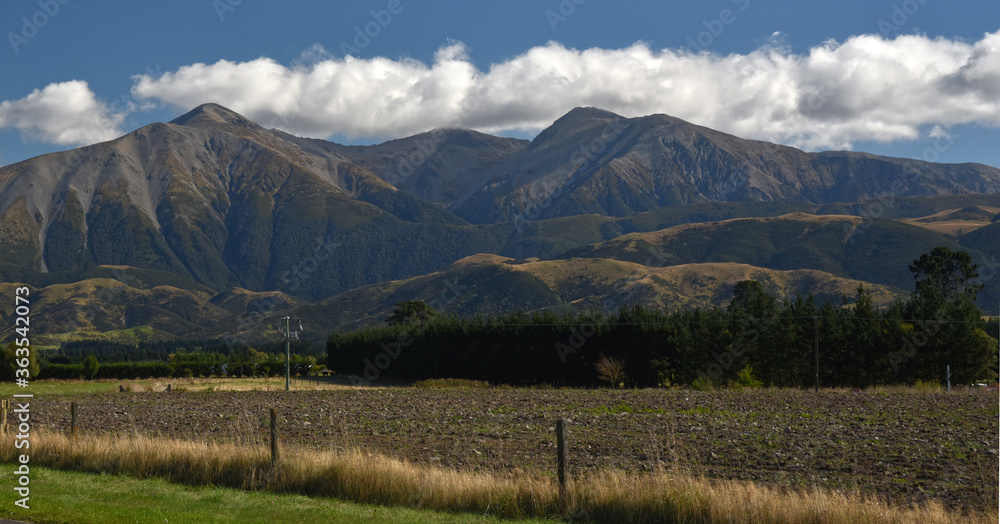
437,166
871,250
956,222
490,284
215,198
548,238
112,310
592,161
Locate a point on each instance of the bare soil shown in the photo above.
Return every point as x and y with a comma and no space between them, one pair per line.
903,447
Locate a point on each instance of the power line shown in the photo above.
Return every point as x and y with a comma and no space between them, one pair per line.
715,321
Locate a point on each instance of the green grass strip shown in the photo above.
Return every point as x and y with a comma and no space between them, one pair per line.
83,498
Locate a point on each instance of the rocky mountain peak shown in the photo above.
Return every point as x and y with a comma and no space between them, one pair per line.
211,115
587,113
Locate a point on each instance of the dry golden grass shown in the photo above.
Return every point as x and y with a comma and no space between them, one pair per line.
951,221
952,228
361,477
76,387
451,383
237,384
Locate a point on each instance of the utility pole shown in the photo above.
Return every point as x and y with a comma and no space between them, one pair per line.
288,355
289,335
816,347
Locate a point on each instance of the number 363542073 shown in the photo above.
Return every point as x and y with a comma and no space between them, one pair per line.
22,319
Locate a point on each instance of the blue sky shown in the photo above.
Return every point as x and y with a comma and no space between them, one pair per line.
903,78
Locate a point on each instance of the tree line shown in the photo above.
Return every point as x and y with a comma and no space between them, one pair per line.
95,359
108,351
253,364
755,337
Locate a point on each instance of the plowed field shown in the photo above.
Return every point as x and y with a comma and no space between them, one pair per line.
905,447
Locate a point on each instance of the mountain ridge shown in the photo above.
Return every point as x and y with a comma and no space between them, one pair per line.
638,164
214,206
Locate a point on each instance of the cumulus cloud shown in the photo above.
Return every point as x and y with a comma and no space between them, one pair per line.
865,88
66,113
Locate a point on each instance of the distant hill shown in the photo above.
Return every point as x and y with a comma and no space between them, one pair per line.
490,284
874,251
111,310
985,239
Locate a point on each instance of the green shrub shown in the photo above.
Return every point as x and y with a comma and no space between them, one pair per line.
702,383
451,383
928,387
90,366
664,374
11,360
746,379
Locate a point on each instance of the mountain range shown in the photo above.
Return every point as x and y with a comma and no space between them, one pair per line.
211,225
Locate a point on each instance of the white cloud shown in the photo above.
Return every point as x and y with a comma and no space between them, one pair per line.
866,88
66,113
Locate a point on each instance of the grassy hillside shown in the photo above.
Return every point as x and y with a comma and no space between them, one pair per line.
112,310
873,250
489,284
687,265
897,207
549,238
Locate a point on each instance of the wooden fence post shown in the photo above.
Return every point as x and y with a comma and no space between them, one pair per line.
72,418
274,437
5,408
563,458
169,388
